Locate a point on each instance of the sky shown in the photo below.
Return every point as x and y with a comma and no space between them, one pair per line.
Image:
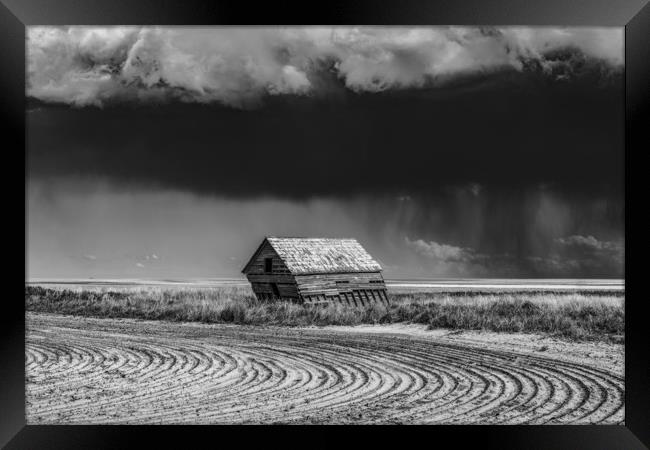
170,152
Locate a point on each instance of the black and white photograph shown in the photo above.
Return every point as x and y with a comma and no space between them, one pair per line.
325,225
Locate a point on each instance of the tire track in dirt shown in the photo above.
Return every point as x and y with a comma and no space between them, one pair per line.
84,371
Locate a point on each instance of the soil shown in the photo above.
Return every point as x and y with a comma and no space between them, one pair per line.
93,371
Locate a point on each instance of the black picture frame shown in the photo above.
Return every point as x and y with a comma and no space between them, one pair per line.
15,15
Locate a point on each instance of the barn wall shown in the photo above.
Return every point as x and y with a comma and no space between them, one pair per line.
351,288
262,286
347,288
257,265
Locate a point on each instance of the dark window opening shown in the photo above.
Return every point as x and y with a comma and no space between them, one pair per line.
268,265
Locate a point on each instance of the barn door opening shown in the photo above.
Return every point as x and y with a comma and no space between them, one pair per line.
276,291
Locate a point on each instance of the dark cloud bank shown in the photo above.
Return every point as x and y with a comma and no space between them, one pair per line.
503,135
450,152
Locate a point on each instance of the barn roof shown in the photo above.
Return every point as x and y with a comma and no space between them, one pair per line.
321,255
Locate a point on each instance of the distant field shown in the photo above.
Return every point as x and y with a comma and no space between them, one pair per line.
430,285
593,311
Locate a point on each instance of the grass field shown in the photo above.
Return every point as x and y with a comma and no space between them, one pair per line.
590,315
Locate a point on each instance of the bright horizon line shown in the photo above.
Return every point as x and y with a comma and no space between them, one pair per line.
185,279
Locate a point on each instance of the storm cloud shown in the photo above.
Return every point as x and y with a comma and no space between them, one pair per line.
515,132
446,151
238,66
91,228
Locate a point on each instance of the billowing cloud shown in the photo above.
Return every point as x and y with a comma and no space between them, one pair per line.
571,256
88,65
589,244
587,253
239,66
450,260
441,252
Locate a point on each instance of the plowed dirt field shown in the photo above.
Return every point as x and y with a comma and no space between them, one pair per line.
91,371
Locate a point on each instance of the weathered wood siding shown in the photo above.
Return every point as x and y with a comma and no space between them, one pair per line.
263,289
262,281
348,288
257,265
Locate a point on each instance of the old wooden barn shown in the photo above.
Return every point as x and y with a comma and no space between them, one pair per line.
315,270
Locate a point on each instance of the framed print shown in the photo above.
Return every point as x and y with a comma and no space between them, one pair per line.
414,214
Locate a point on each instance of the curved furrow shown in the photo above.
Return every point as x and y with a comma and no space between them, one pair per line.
88,371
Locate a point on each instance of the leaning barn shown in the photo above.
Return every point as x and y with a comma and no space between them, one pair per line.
314,270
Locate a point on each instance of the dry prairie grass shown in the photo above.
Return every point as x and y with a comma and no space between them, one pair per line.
579,316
